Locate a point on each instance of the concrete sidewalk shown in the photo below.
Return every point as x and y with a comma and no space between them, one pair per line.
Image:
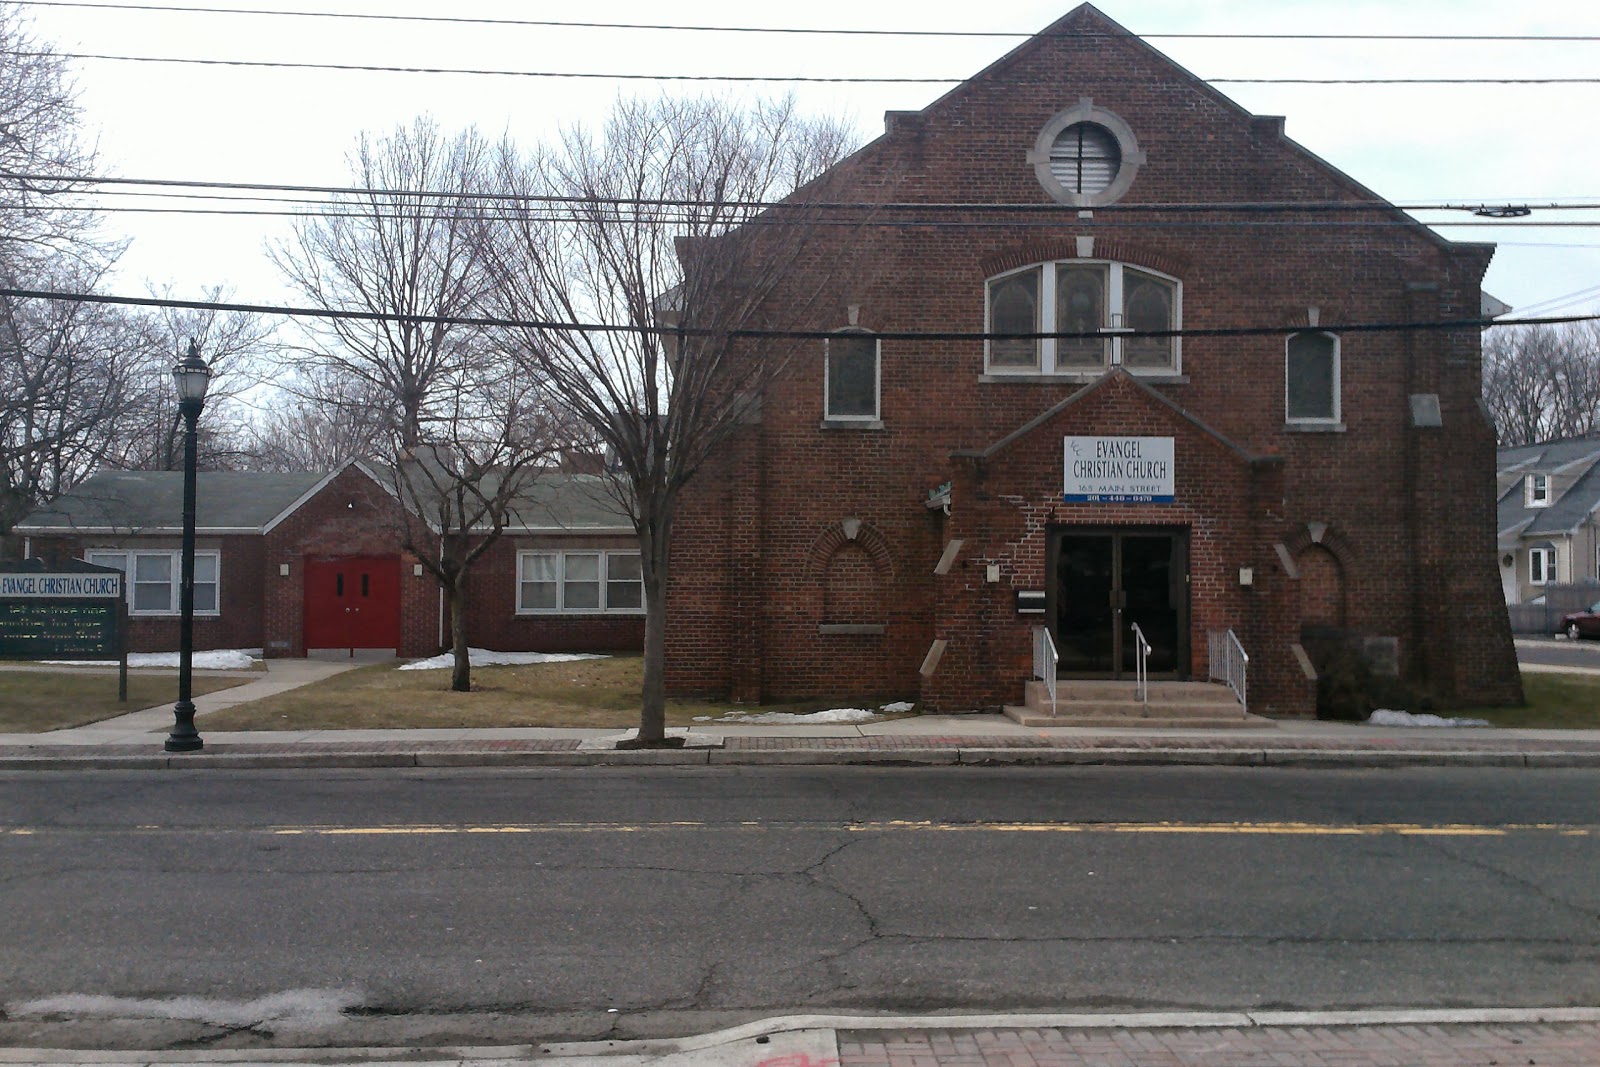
134,741
1558,1037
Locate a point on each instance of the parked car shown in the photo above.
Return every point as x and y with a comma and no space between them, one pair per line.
1585,623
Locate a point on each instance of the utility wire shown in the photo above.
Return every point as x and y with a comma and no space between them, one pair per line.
829,31
749,78
678,219
1518,204
492,322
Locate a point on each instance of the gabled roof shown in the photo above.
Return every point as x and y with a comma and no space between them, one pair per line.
1088,21
1574,504
152,502
241,502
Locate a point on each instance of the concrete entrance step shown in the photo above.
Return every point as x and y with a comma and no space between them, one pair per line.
1156,720
1115,703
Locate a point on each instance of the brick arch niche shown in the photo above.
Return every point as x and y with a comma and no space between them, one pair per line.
1322,588
851,564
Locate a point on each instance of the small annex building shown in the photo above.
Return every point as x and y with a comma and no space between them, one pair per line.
1205,451
291,563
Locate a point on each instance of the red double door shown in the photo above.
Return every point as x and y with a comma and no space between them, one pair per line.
352,602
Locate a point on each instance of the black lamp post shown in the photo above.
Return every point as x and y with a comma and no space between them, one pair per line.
191,378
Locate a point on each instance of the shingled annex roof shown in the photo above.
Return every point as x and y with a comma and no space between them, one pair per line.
134,502
1567,512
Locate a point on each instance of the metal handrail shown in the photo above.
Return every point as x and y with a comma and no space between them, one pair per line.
1230,663
1045,660
1141,668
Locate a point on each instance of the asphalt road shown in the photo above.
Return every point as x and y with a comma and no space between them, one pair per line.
578,898
1558,652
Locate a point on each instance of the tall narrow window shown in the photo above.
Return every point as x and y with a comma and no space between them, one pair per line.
852,377
1147,305
1014,308
1081,308
1311,378
1538,490
1541,566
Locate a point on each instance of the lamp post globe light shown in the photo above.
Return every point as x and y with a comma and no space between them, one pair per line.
190,376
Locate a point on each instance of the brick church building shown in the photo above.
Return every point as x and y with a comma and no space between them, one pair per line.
1211,448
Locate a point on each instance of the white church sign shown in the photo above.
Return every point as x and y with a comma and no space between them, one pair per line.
1119,470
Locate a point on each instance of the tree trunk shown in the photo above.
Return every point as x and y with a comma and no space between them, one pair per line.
653,712
461,672
653,541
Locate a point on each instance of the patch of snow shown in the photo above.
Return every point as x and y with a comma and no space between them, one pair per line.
789,718
220,659
1386,717
310,1008
897,708
483,657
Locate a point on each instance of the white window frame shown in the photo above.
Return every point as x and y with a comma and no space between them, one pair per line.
1536,490
828,414
1114,330
1542,566
604,573
128,567
1337,385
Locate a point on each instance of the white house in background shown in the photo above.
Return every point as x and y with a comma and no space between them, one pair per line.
1548,516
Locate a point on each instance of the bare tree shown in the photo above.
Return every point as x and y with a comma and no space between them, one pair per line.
404,252
401,249
316,421
42,155
235,346
71,375
1542,383
67,370
662,242
462,488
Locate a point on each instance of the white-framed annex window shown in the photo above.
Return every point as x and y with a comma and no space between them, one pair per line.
1541,566
852,377
574,582
1536,490
1311,378
1111,300
154,579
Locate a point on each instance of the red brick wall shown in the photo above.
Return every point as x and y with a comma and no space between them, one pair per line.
1412,508
351,516
238,622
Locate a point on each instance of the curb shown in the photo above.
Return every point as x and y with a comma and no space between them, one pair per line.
785,1024
975,756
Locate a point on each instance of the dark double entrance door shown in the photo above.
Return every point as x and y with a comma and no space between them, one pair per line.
1107,579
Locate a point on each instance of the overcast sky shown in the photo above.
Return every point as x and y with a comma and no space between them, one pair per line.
1528,144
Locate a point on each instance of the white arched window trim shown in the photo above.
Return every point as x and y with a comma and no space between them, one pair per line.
1045,350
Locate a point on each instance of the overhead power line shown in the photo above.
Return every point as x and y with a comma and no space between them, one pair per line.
369,68
137,185
802,30
491,322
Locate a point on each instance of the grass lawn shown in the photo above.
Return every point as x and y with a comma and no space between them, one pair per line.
1554,702
598,693
35,701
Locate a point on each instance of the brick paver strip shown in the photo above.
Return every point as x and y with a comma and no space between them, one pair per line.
1448,1045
